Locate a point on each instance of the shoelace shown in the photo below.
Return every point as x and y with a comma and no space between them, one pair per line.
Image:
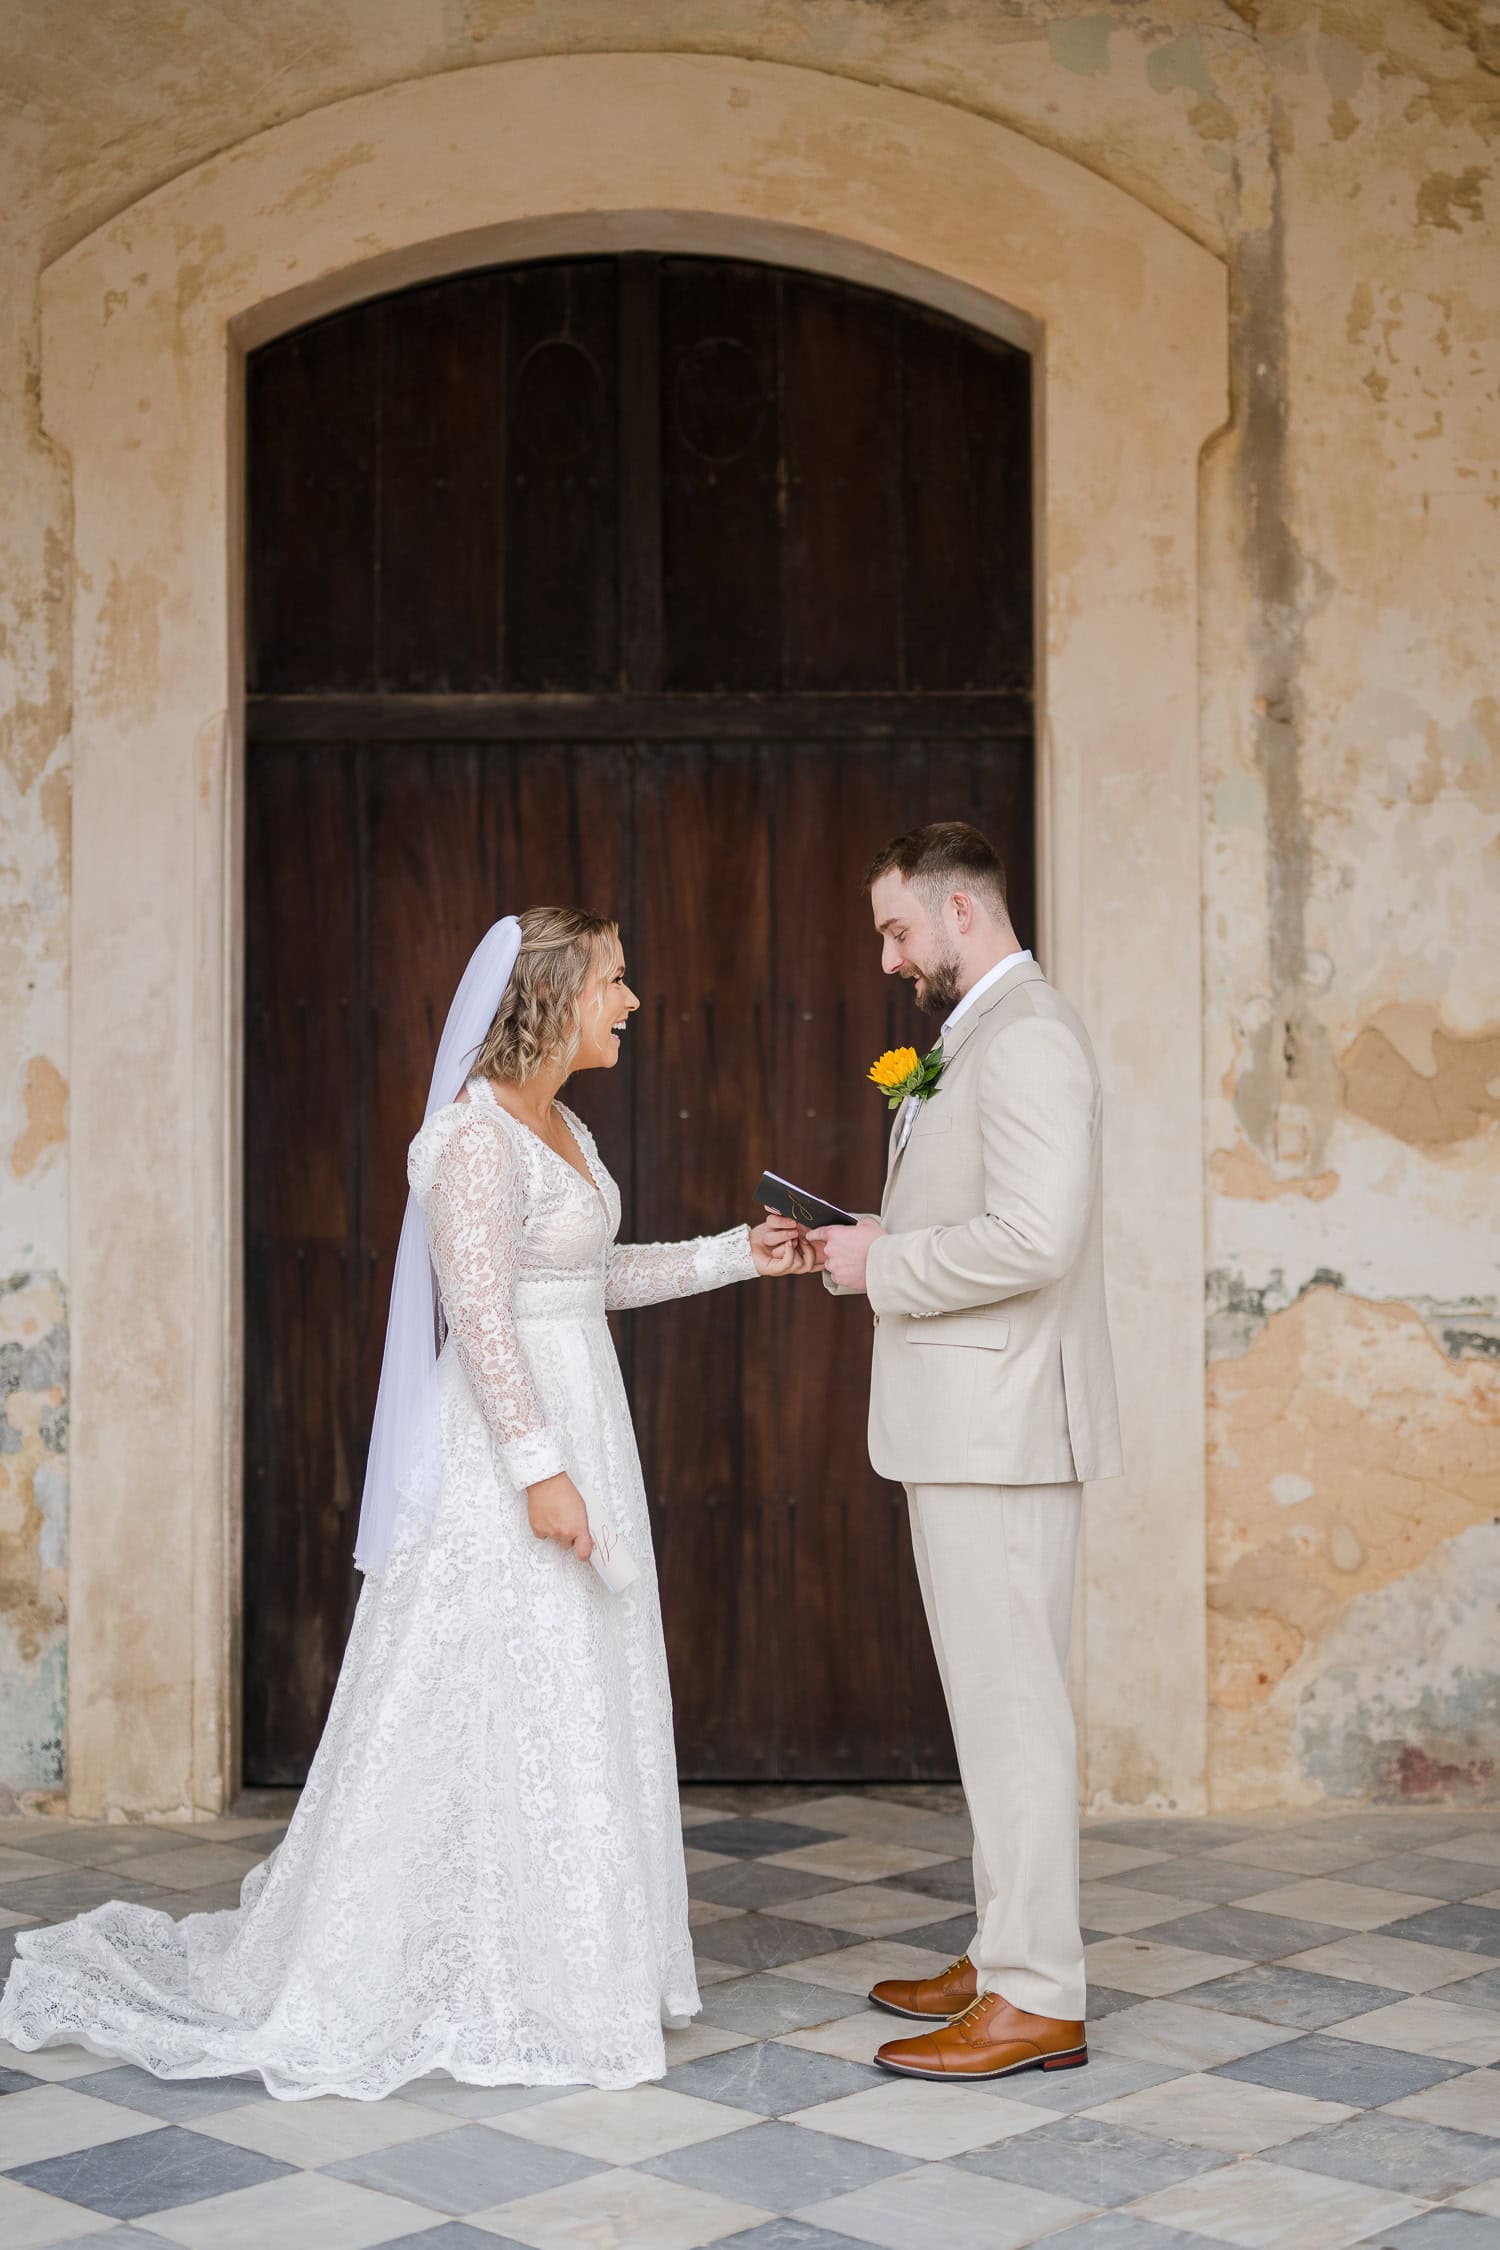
975,2008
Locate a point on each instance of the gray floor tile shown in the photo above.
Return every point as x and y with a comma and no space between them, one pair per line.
1105,2079
952,1936
1391,2152
126,2237
1090,2161
1340,2070
1482,1991
1216,1882
16,2082
1423,1876
57,1898
767,2005
751,1838
178,2100
750,1882
1467,1929
1385,1831
1443,2230
949,1878
777,2167
1170,1834
765,1941
465,2170
149,2172
1237,1929
771,2079
1104,2000
1117,2230
1296,1997
453,2236
781,2234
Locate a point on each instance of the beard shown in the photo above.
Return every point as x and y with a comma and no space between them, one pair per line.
941,991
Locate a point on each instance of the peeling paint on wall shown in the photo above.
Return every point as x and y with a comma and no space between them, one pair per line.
33,1534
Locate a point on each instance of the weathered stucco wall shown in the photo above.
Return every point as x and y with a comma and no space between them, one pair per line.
1340,157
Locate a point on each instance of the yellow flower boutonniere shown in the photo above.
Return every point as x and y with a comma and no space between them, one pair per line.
902,1071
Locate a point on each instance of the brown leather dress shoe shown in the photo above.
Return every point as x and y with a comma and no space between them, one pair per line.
926,1997
991,2039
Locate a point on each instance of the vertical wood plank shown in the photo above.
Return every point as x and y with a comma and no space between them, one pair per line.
562,497
310,507
302,1114
841,609
703,1119
438,558
721,475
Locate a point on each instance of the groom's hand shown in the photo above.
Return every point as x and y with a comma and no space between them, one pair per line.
846,1251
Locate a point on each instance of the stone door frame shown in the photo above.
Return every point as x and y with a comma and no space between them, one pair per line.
145,325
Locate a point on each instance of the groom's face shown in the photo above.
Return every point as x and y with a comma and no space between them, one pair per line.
915,943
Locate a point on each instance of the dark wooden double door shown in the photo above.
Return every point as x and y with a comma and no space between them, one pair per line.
671,587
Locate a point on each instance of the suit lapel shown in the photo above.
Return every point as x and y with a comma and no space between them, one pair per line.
1024,972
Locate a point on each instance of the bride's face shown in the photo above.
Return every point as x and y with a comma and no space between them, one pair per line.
607,1006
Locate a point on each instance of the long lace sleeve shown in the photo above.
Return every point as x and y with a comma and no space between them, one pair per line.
475,1209
647,1273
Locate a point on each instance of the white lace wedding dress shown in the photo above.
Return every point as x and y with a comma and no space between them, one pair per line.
484,1874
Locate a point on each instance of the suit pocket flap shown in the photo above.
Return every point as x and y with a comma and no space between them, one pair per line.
981,1331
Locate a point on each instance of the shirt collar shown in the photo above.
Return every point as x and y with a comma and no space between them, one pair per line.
990,977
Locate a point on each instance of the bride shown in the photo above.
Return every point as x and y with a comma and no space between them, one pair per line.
484,1873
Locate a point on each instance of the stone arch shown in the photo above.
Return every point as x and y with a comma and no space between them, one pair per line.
145,324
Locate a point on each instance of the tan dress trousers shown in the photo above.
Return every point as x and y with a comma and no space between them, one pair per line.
996,1569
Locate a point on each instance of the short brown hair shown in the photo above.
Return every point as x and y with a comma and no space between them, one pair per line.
537,1019
946,854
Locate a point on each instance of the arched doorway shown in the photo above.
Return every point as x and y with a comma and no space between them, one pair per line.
672,585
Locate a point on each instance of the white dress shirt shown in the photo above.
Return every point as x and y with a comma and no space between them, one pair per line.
981,985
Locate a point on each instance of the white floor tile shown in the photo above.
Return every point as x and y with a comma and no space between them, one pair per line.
1374,1958
197,1867
625,2127
1115,1907
1131,1964
53,2062
1428,2025
698,2039
1485,2199
1345,1906
22,1867
856,1967
1221,2113
1481,1847
852,2038
619,2211
940,2205
29,2221
945,1833
1098,1860
855,1859
698,1862
300,2211
1274,2207
1174,2035
915,2118
715,1972
703,1911
326,2129
56,2120
880,1910
1468,2105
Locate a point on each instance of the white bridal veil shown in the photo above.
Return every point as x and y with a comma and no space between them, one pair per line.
405,1458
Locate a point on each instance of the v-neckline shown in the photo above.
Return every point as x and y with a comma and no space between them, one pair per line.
585,1176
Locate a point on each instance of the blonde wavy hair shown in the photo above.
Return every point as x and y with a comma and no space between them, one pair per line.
537,1021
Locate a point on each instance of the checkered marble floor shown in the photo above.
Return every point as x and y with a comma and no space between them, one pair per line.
1295,2030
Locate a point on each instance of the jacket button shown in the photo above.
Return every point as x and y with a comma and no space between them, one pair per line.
877,1320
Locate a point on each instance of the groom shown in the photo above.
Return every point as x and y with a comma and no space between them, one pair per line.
992,1398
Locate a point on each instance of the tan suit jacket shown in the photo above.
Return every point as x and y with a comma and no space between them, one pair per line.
992,1361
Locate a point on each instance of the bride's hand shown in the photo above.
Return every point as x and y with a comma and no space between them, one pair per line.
779,1246
556,1511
